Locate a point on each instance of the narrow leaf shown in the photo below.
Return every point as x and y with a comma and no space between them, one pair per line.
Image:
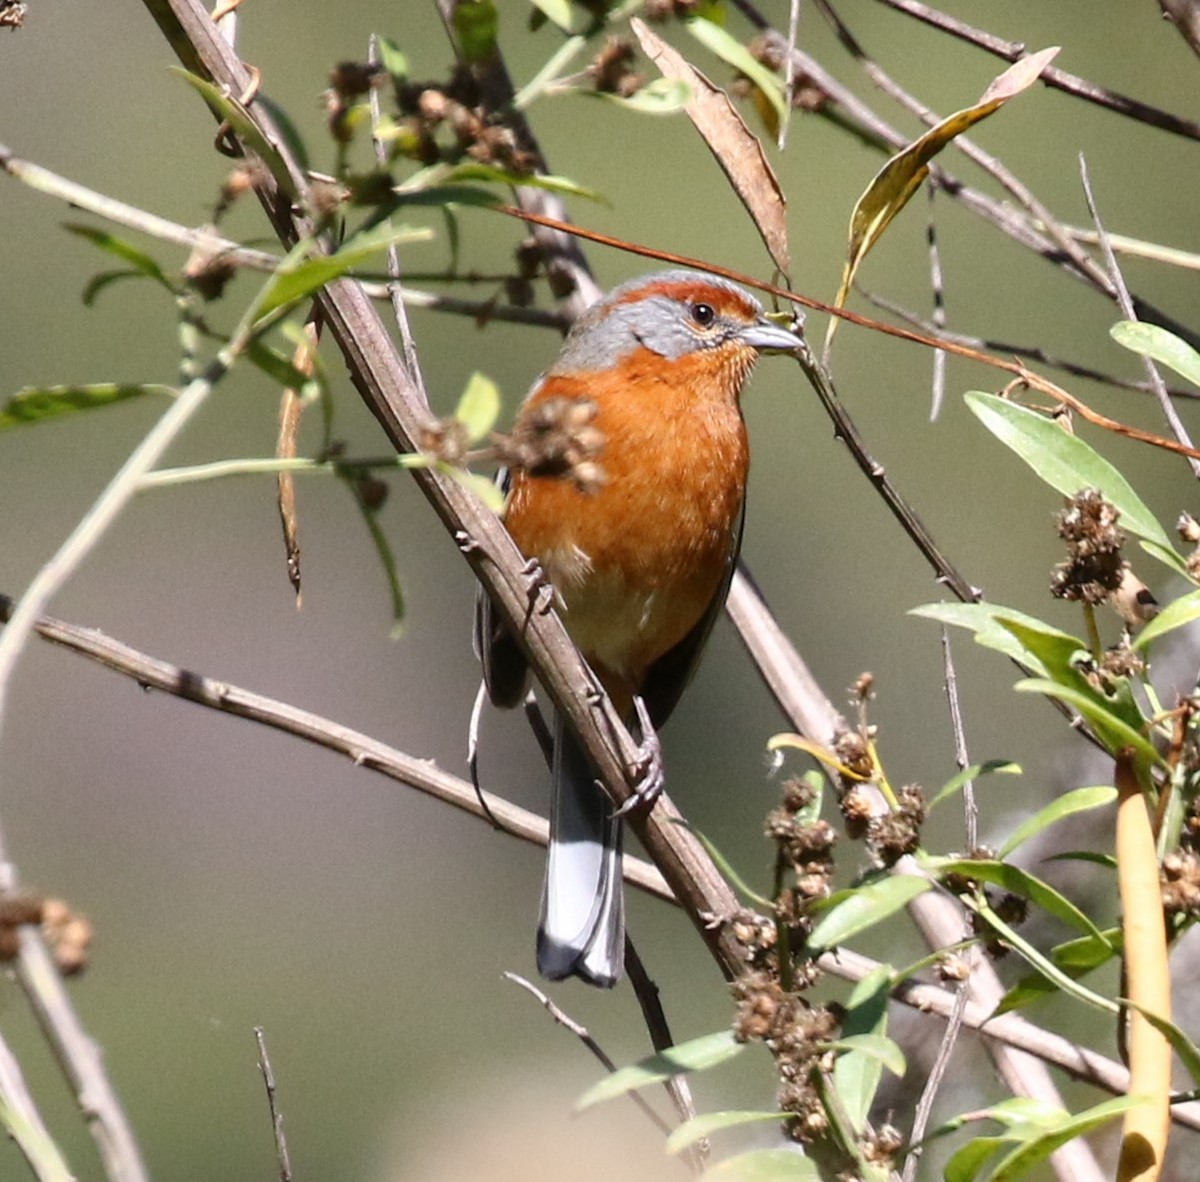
36,404
983,619
1113,731
895,183
291,284
697,1055
865,907
1018,882
1176,614
1037,1149
483,487
244,125
1188,1052
1159,345
1065,462
856,1077
1078,800
663,96
731,142
138,259
733,53
708,1123
874,1046
991,767
559,11
965,1163
479,406
764,1165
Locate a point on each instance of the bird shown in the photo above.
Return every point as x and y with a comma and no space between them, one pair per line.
640,555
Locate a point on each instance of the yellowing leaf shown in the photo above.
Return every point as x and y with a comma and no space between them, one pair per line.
903,174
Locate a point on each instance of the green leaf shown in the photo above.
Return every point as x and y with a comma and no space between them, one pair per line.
1018,882
479,406
35,404
874,1046
387,560
697,1055
1076,958
1176,614
983,619
138,259
247,130
488,174
1112,730
276,366
865,907
483,487
727,869
1188,1052
103,280
965,1164
856,1077
1078,800
1039,1147
735,54
708,1123
559,11
1035,958
990,767
476,23
1064,461
1159,345
392,58
663,96
764,1165
294,281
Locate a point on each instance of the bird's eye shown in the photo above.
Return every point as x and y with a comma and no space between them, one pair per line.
703,314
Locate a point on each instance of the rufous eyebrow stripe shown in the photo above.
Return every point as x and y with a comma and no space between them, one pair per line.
730,303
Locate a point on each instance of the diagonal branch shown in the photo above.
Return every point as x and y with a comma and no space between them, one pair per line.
808,709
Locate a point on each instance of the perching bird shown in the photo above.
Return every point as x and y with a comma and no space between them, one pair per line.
641,564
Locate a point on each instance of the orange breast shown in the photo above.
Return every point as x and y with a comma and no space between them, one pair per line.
637,563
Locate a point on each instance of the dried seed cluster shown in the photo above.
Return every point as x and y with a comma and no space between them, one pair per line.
557,437
1094,566
68,935
797,1034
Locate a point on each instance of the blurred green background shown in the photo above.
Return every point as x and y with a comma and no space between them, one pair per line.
236,877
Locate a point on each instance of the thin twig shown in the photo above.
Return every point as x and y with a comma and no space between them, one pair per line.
961,757
1126,305
937,287
268,1074
655,1018
582,1033
1020,192
1028,352
933,1082
844,107
937,1073
1011,51
23,1122
809,710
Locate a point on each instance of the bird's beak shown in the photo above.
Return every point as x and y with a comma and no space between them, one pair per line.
767,337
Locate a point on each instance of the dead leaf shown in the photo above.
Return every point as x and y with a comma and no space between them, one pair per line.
290,407
902,175
734,145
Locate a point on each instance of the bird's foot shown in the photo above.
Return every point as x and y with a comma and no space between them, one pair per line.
538,588
648,768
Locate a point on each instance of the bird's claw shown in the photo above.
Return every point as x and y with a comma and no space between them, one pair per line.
648,767
538,588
